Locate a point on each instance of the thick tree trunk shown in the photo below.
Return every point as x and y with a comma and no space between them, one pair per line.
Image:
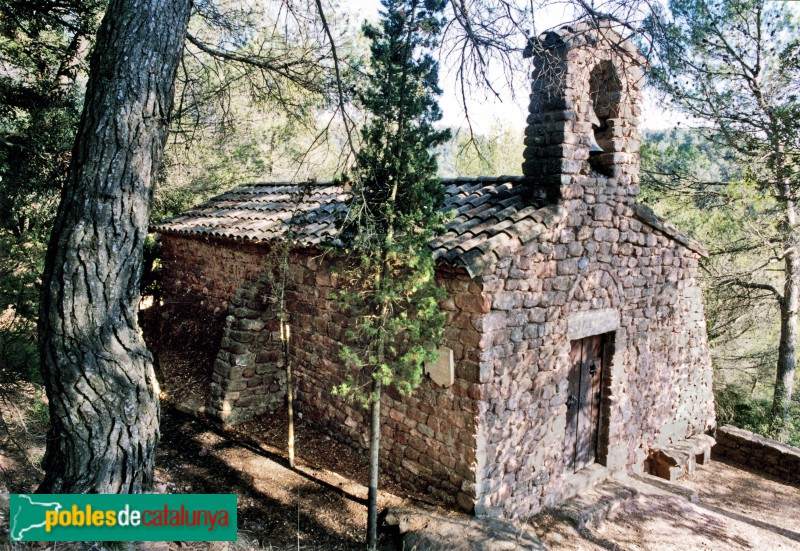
97,370
787,349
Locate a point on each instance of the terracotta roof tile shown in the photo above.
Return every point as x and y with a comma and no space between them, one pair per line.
491,214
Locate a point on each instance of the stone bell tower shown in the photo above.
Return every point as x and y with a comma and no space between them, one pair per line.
585,102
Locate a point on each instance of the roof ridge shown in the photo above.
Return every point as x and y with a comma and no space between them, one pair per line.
327,183
476,179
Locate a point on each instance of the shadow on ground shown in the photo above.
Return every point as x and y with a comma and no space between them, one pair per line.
277,506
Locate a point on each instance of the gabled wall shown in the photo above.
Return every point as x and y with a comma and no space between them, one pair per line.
658,384
598,270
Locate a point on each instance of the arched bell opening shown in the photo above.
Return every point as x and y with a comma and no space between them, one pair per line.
605,93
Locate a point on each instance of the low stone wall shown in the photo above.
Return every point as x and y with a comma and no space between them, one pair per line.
757,452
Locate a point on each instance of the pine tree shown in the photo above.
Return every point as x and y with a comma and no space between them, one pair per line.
99,375
733,66
387,273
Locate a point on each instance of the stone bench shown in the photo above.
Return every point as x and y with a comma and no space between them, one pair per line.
677,459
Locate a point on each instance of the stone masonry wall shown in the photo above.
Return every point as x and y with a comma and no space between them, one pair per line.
598,259
428,440
206,273
659,380
218,289
757,452
249,376
199,277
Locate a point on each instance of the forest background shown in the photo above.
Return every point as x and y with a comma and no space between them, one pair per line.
235,122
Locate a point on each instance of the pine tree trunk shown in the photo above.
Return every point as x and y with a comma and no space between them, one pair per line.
70,65
286,335
287,358
375,409
375,406
784,381
97,370
374,456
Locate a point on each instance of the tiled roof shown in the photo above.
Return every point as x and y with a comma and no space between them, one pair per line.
492,219
262,212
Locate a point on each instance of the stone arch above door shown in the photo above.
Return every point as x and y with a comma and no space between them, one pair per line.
594,290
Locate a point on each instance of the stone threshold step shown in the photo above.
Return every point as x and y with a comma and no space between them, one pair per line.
592,507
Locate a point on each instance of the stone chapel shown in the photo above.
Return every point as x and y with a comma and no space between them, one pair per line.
575,346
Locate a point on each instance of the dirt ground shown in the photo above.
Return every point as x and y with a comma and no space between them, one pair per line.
278,508
320,505
736,509
751,497
23,428
309,509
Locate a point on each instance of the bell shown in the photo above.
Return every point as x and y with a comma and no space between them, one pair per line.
594,149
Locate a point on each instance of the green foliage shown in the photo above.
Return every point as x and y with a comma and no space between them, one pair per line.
733,66
735,406
395,178
19,354
495,153
40,412
387,273
259,119
20,265
42,45
701,186
34,160
247,146
413,324
712,53
151,268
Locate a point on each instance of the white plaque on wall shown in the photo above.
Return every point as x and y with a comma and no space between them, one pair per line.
442,371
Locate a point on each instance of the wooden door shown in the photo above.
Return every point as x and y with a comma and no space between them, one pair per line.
584,402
